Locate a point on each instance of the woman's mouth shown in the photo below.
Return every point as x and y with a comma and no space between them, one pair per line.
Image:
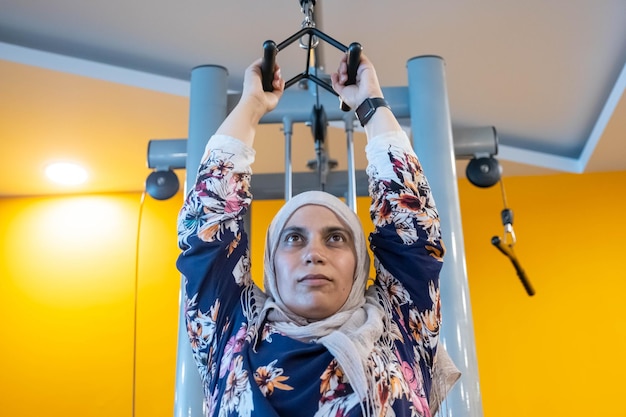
314,279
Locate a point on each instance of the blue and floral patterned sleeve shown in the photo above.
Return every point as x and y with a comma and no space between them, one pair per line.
406,242
215,257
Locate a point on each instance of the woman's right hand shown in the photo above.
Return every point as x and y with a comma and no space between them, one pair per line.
253,93
242,121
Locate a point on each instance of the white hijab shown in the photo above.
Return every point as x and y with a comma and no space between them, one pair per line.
350,333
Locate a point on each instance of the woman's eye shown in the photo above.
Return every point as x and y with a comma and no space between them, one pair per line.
337,238
292,238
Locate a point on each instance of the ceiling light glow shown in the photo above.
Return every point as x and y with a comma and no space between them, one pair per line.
66,173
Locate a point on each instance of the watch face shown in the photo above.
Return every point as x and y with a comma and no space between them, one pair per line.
363,110
366,110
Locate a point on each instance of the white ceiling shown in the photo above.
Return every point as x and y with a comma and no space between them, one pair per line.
94,81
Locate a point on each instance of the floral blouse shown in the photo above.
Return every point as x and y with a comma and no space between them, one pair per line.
269,374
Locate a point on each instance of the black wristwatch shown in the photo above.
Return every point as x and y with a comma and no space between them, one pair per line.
366,110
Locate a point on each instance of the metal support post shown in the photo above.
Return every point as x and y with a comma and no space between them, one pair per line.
432,140
207,110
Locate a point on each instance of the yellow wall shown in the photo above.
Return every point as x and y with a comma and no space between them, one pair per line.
67,279
563,351
67,306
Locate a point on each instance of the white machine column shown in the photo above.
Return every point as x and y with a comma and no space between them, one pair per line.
207,110
432,141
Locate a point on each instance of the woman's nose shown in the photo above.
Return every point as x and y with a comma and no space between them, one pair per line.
315,253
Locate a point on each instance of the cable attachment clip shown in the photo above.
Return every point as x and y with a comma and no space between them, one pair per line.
507,221
307,7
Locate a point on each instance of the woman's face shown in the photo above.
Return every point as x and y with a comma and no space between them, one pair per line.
315,263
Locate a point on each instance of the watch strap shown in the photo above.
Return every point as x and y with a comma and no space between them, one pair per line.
366,110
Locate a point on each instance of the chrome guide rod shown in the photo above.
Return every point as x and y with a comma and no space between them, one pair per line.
288,130
351,197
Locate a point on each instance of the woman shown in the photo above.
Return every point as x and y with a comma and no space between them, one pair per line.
317,342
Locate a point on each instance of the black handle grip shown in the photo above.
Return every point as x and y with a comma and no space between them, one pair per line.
354,59
267,65
518,268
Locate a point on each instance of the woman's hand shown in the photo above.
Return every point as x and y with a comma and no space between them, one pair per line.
253,94
241,123
366,86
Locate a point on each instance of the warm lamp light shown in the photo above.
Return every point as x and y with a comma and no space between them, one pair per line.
66,173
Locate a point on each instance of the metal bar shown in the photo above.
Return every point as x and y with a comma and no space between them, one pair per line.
432,139
297,105
312,31
288,129
207,109
351,197
271,186
312,77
